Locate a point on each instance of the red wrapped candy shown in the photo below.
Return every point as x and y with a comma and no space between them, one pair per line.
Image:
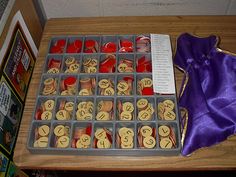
90,46
108,65
89,130
126,46
58,46
69,81
74,47
54,63
109,47
147,91
144,65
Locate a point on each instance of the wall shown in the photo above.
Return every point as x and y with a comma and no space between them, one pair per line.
90,8
31,19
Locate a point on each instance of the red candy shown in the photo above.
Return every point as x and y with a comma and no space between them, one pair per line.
89,130
71,49
109,135
60,42
141,60
38,114
126,46
128,78
56,49
74,47
147,91
78,43
69,81
109,47
140,68
58,46
144,65
53,63
126,49
126,43
90,46
108,65
148,66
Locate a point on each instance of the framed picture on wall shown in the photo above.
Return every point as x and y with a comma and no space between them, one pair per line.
18,55
19,63
10,116
3,164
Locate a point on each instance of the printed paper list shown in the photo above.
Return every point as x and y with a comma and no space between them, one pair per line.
162,64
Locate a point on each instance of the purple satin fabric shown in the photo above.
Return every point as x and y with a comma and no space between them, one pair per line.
210,94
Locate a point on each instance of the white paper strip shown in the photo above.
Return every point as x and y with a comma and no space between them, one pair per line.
162,64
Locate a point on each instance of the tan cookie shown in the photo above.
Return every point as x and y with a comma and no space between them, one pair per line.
161,107
87,116
82,105
63,142
46,115
130,146
44,130
147,82
84,92
49,105
64,93
85,140
93,62
100,133
59,130
74,68
42,142
104,83
124,131
48,81
103,144
144,115
126,140
62,115
80,145
80,113
150,108
164,131
122,67
91,69
166,143
169,115
109,91
126,116
169,104
53,71
69,106
128,106
142,103
102,115
122,86
146,131
69,61
149,142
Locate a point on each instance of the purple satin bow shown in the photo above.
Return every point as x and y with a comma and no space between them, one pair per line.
210,93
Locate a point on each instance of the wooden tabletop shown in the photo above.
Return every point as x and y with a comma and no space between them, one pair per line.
221,156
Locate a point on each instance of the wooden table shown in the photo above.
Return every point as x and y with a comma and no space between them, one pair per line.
221,156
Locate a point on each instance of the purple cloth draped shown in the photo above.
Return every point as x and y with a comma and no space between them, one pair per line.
210,93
